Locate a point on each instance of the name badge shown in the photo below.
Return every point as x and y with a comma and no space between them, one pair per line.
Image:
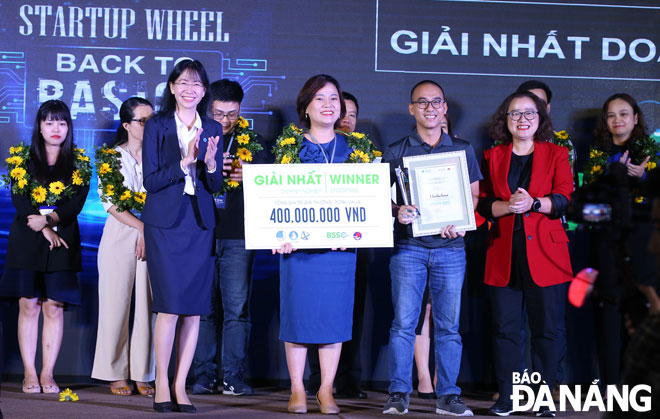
220,200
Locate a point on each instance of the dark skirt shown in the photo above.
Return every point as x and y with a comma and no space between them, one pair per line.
61,286
180,261
316,296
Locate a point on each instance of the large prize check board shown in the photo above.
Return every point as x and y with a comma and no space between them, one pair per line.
317,206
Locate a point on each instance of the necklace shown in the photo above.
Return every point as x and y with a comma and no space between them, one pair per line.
334,147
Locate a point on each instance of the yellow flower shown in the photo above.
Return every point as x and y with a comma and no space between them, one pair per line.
562,135
79,150
243,139
236,163
377,153
359,155
365,158
15,150
126,195
110,190
233,184
39,194
287,141
17,173
15,160
595,153
68,396
244,154
21,183
650,165
105,168
140,197
639,199
83,158
242,123
357,135
596,169
56,187
76,179
295,129
109,151
286,159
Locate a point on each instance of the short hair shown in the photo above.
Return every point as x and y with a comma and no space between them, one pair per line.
535,84
602,132
168,103
412,91
499,130
307,93
348,96
126,115
226,90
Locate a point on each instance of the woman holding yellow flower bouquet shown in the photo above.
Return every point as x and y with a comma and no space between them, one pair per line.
50,182
122,260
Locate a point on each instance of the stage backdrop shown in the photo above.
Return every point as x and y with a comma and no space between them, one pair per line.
93,54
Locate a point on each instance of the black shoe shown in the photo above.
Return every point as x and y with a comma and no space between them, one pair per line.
163,407
351,393
545,413
501,408
183,408
427,396
205,385
235,386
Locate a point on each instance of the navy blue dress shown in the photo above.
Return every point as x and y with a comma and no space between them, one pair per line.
316,286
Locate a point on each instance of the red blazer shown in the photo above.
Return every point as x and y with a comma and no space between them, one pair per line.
547,243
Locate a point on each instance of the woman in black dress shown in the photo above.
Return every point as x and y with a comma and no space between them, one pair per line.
43,251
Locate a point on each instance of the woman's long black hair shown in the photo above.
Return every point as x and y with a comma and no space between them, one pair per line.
54,110
126,115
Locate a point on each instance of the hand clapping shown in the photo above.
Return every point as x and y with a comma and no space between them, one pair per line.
211,150
633,169
520,202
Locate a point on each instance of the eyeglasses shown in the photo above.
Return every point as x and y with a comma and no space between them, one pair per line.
219,116
516,115
141,121
187,85
423,104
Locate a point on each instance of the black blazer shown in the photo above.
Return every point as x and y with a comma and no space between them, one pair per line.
163,178
28,249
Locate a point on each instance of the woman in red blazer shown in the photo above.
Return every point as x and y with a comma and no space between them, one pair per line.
526,187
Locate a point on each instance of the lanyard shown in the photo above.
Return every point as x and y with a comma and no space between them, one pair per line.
334,147
231,141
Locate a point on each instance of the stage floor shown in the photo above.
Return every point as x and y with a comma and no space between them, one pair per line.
97,402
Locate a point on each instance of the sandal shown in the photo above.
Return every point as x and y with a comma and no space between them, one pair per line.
121,391
31,388
145,390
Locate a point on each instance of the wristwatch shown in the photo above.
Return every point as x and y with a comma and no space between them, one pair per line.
49,220
536,205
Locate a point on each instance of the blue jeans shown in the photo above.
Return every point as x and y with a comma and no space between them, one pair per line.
444,268
233,284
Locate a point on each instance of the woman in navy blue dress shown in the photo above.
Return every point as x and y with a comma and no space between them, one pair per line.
179,220
316,286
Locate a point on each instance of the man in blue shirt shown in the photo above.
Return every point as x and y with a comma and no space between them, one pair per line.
440,259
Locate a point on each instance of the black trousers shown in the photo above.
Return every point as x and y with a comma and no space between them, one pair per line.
508,306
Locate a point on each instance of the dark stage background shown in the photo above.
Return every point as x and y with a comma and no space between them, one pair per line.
94,54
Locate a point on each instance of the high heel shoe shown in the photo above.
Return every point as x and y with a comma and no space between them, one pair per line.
183,408
163,407
328,408
297,403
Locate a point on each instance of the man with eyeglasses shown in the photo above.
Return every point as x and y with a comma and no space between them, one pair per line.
233,273
440,259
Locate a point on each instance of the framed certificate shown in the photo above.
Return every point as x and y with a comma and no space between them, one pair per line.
440,187
317,206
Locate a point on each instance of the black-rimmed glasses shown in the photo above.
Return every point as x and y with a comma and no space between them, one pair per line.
219,116
516,115
140,121
423,104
